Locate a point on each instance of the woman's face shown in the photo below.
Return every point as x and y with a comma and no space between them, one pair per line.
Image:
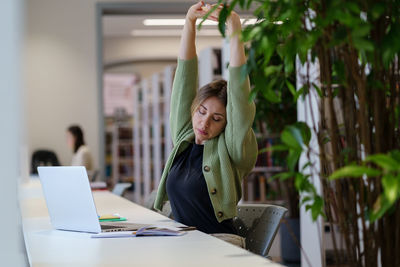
70,140
209,119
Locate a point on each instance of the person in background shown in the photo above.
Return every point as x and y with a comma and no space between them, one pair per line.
76,142
214,144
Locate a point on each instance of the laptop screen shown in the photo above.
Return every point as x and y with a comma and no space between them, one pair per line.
69,198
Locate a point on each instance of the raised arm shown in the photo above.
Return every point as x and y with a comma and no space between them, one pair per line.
185,81
187,48
234,28
240,138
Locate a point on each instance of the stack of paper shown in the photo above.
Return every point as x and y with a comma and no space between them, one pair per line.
98,185
111,218
156,231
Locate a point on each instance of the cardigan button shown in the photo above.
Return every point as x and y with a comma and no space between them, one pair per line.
206,168
214,191
220,214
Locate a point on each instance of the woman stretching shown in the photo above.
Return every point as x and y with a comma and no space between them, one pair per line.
214,145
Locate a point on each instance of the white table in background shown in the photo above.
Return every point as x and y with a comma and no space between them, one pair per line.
48,247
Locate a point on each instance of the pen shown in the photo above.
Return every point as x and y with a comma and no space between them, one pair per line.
187,228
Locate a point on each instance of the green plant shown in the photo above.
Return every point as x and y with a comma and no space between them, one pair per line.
267,123
356,45
388,170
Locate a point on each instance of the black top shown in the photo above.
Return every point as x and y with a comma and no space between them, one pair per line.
188,194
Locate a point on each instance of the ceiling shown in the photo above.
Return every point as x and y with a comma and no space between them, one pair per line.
123,25
120,19
132,25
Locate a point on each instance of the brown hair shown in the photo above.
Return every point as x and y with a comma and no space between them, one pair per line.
215,88
77,132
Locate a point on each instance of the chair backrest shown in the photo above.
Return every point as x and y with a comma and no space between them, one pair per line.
150,199
93,174
120,188
167,210
43,158
259,223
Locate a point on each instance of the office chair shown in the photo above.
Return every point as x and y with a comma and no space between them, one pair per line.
258,224
43,158
166,208
149,202
120,188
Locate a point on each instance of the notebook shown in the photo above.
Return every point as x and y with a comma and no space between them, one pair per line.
70,201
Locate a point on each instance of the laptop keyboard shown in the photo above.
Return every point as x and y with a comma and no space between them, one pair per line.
107,227
122,226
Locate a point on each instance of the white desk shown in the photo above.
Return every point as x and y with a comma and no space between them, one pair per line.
48,247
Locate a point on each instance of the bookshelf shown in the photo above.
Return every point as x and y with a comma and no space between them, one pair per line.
119,151
118,112
151,134
258,187
122,153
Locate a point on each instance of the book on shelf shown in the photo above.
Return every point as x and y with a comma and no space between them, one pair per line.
268,158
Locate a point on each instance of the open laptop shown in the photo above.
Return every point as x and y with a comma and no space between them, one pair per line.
70,202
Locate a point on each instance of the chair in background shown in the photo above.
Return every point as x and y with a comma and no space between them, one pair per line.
43,158
93,174
149,201
167,210
258,224
121,188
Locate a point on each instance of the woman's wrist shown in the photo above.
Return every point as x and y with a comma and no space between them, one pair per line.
190,19
190,24
233,23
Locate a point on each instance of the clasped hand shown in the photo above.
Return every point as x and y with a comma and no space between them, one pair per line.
200,9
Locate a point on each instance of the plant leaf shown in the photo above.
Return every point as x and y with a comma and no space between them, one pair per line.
305,199
317,208
208,14
290,140
363,44
293,158
272,69
270,95
361,30
354,171
305,131
291,88
306,165
283,176
278,147
319,92
391,186
249,4
223,15
384,161
381,205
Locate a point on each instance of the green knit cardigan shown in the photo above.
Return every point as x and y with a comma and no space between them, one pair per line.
228,157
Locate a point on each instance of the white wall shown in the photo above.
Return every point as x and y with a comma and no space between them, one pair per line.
11,245
312,237
117,49
144,70
61,74
139,49
60,70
